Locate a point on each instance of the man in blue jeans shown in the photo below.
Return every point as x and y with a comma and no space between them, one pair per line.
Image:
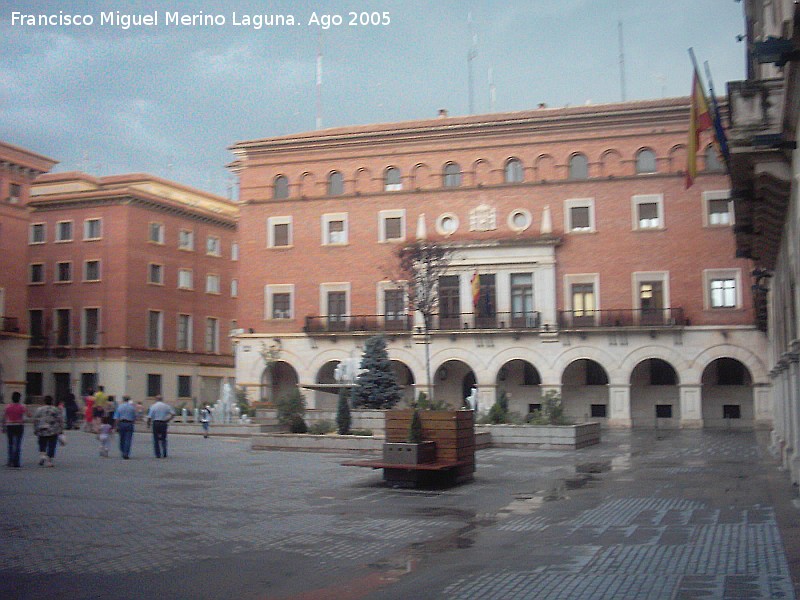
125,417
160,414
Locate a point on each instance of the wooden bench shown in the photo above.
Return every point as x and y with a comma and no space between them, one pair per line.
436,473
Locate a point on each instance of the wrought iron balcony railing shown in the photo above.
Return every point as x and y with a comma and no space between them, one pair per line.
441,322
645,318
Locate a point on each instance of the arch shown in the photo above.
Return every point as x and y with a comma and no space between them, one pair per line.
362,182
711,160
578,167
335,183
727,394
522,382
278,380
308,185
755,366
545,168
392,179
482,172
451,174
611,164
677,158
421,176
405,378
280,187
665,353
646,161
452,382
513,171
584,390
654,394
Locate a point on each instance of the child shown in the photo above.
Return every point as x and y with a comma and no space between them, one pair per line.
104,436
205,419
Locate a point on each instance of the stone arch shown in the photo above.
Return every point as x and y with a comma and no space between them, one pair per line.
611,164
362,181
584,390
482,172
452,382
278,380
758,372
669,355
522,382
654,394
405,378
598,355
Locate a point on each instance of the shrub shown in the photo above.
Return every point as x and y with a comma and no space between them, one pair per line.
552,412
343,419
425,403
298,425
415,429
322,427
291,408
362,432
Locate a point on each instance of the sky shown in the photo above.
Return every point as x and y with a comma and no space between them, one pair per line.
170,99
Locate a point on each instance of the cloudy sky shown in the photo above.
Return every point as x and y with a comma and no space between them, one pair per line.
170,99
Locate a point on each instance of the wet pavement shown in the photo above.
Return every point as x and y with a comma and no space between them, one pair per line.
684,514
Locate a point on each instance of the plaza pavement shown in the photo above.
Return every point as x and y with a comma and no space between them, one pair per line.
684,514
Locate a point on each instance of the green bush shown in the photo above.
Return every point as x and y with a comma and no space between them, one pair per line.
322,427
425,403
343,418
361,432
291,408
415,429
298,425
552,412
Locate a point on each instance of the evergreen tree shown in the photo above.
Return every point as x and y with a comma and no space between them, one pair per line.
376,386
343,420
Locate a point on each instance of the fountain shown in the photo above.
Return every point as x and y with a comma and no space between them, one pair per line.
226,410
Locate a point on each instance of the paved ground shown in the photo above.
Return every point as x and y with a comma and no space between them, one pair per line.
687,515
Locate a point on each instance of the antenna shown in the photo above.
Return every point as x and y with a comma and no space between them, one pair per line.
621,61
492,94
471,55
319,82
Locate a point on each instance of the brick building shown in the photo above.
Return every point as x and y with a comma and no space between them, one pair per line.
599,275
131,284
18,168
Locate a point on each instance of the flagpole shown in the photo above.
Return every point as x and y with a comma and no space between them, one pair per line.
722,141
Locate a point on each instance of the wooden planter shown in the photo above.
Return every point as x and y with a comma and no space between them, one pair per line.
406,453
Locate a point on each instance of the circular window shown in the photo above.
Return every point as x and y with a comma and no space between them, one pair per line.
447,224
519,220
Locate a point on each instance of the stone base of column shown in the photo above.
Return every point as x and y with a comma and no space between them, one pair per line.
691,423
619,423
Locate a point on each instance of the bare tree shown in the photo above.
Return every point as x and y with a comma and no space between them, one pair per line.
421,265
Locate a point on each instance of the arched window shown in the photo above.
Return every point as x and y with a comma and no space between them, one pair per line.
335,183
514,172
713,163
452,175
280,187
392,181
645,161
578,166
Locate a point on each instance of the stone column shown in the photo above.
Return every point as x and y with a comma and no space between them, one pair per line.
792,376
762,406
778,437
619,400
691,406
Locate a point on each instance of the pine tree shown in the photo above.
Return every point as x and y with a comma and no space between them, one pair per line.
343,420
376,386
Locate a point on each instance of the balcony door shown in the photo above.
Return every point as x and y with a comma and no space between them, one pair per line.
337,311
651,302
449,302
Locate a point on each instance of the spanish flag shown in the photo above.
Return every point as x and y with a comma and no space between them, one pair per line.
699,120
475,282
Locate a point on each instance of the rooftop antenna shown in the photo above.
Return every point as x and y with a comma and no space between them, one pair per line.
319,82
492,94
471,55
621,61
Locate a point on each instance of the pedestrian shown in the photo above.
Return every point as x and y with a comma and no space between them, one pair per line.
104,436
205,418
71,408
160,414
14,427
99,410
88,415
48,424
125,418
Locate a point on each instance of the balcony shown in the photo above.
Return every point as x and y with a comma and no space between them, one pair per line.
631,318
530,320
9,325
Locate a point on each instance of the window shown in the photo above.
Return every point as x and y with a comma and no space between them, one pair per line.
63,318
579,215
520,219
64,231
449,302
184,332
212,334
522,300
663,411
234,251
486,307
185,279
91,270
155,274
394,309
645,162
234,288
36,327
213,246
648,211
279,232
599,411
184,386
280,188
34,383
392,225
155,329
713,162
91,326
514,172
452,175
578,167
156,233
64,272
14,193
153,385
723,289
731,411
335,183
583,304
334,229
392,181
92,229
718,208
186,239
36,273
281,306
336,310
37,235
212,284
447,224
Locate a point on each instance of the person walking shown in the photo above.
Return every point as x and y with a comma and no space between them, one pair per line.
88,415
14,427
48,424
125,418
205,419
160,414
71,408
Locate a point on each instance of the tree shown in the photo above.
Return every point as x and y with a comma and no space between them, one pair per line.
343,419
376,386
421,265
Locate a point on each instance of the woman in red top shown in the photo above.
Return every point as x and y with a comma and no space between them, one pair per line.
88,416
14,427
